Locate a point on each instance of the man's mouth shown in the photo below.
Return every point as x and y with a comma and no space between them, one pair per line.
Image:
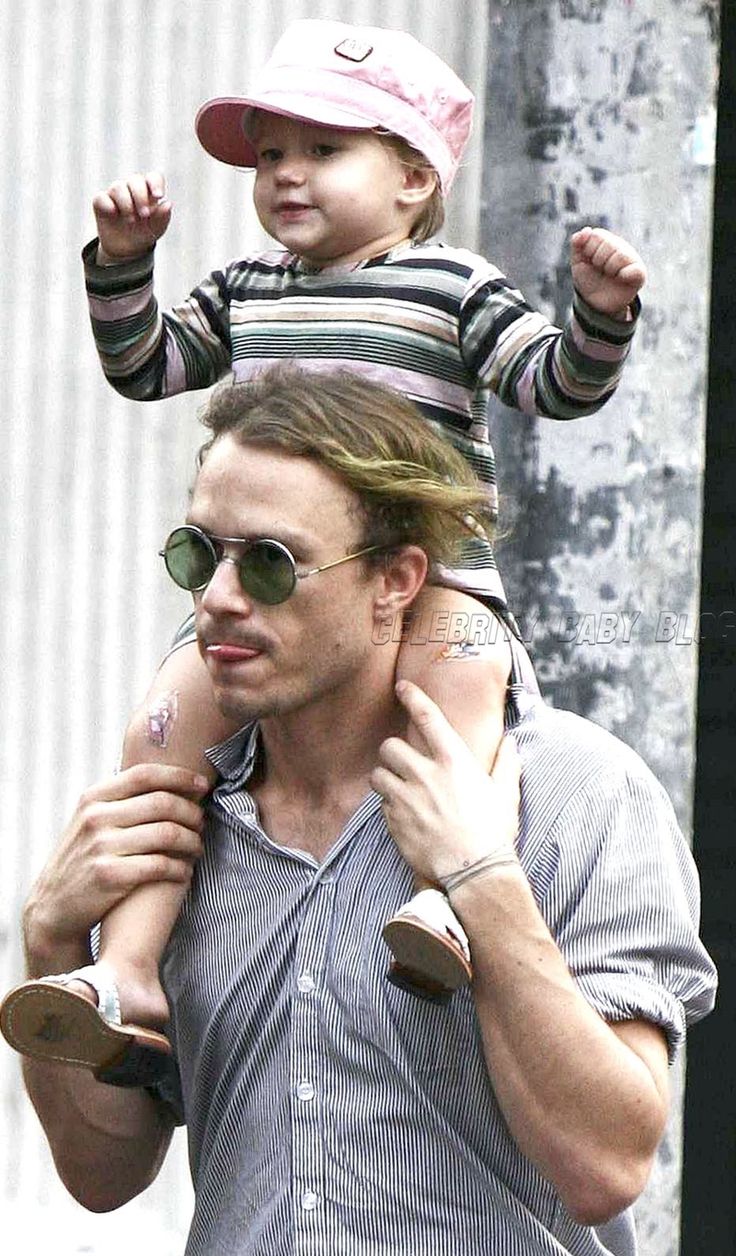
226,652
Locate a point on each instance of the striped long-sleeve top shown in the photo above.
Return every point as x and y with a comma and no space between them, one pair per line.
328,1111
439,324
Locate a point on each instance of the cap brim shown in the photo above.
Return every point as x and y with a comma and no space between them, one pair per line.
219,122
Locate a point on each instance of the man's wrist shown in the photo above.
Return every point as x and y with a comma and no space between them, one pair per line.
499,896
46,951
502,857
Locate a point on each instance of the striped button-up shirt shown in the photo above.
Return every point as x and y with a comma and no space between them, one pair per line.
328,1111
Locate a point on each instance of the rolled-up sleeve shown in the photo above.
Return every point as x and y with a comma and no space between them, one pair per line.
624,906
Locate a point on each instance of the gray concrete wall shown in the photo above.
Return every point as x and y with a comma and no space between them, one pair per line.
602,111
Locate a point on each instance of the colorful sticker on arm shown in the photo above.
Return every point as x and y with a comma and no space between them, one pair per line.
459,650
161,719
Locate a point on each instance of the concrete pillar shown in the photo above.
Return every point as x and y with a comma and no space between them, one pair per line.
602,111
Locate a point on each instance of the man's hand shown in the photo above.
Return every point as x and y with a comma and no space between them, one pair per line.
442,809
131,216
606,270
140,826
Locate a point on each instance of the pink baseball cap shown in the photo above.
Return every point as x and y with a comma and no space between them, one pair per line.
355,77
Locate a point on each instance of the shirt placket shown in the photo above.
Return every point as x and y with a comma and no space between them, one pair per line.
307,1078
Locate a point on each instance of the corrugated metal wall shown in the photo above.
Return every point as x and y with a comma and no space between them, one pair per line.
90,484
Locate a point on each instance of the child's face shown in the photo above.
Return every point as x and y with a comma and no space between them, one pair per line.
328,195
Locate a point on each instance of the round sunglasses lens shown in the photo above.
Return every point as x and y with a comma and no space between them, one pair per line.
189,559
267,573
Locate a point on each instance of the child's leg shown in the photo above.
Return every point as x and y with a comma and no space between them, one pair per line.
458,652
176,723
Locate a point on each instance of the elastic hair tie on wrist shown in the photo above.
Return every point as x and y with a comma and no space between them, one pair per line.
499,858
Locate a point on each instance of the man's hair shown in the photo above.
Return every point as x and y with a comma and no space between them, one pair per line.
412,486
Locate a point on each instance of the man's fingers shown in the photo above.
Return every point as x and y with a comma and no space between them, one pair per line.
401,759
119,876
386,781
146,778
160,868
125,823
128,857
439,735
172,841
172,836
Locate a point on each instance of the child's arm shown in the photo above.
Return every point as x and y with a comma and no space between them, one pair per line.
539,368
131,215
606,271
146,354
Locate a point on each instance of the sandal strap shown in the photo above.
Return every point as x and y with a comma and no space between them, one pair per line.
108,999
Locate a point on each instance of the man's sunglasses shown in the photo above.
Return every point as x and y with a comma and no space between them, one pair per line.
266,568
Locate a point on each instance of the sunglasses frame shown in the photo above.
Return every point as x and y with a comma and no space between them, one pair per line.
209,539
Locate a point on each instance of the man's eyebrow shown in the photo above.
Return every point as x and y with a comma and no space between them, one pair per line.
289,536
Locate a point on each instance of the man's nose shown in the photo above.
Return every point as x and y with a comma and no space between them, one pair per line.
225,595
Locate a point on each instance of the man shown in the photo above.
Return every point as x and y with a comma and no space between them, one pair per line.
328,1110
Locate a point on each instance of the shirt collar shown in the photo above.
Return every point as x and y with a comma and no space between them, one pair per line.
235,758
301,267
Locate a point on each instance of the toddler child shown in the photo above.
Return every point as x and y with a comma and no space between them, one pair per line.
355,135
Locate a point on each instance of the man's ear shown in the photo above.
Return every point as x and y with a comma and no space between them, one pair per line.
402,578
419,183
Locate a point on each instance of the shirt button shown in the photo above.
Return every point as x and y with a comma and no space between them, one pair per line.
305,984
305,1091
309,1201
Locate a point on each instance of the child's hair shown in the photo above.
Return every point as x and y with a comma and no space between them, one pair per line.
431,216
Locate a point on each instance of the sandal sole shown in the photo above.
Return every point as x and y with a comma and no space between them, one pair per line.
49,1022
425,955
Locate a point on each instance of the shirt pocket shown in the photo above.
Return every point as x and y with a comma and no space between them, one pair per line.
424,1041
